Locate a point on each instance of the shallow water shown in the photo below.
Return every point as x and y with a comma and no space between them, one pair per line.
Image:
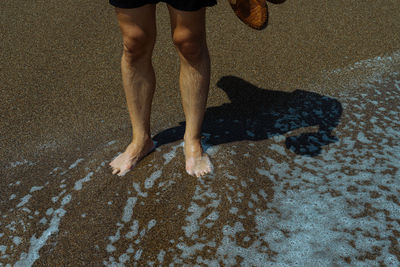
315,184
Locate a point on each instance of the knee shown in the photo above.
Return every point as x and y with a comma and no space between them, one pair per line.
190,45
137,45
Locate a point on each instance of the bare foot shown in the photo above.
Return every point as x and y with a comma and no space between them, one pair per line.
132,155
197,162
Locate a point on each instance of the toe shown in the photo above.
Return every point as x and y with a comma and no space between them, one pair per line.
122,173
115,171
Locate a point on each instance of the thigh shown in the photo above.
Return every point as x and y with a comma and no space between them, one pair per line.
138,24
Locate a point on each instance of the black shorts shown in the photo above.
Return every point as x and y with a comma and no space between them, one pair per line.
184,5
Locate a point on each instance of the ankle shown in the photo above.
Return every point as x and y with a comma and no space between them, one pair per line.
192,139
193,147
142,139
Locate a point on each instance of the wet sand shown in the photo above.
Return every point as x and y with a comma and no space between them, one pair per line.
302,126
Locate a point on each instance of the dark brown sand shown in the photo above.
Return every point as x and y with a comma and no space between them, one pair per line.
61,100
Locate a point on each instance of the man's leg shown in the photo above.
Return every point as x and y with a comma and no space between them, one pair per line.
189,36
138,28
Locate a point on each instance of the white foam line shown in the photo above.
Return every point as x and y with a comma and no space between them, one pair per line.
397,85
27,259
3,249
111,143
134,230
128,210
36,188
126,217
24,200
101,166
193,224
73,165
211,150
138,254
170,155
369,70
151,224
150,181
160,256
55,199
17,240
19,163
376,63
55,170
136,186
78,184
124,257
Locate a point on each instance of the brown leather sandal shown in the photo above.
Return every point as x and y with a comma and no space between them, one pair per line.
252,12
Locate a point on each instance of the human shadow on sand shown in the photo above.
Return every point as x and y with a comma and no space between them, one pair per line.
256,114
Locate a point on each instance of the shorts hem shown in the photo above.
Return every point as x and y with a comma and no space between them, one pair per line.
175,4
126,4
189,8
